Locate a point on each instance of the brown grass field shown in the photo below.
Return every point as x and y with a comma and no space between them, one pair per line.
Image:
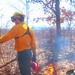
45,41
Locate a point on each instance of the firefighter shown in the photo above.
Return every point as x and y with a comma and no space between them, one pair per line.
24,44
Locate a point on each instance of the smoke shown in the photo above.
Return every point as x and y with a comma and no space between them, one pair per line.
61,45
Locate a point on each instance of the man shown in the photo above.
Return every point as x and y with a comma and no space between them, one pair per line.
24,42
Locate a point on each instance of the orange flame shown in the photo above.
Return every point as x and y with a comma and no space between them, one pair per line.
50,70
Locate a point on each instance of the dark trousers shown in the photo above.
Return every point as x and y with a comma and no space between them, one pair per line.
24,59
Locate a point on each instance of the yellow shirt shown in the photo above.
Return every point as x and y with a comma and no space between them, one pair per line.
23,42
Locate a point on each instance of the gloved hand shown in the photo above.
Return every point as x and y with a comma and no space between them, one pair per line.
34,58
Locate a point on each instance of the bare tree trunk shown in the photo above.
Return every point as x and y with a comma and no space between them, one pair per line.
58,33
27,10
58,18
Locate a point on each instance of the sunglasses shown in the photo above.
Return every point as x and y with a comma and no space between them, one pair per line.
14,18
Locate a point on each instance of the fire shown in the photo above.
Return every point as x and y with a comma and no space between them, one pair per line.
50,70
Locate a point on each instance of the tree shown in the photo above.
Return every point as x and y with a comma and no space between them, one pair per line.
52,9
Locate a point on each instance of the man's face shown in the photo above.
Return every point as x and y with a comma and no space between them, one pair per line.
17,21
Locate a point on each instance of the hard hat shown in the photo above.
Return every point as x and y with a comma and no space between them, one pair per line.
17,14
35,66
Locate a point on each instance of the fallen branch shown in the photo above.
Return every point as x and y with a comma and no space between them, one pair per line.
8,63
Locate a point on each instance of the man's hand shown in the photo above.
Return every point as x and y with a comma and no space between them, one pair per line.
34,58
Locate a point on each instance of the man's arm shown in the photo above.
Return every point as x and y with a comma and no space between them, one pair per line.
9,35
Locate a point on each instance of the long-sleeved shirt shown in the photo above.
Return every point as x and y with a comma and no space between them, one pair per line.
23,42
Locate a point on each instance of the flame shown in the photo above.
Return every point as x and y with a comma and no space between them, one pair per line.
50,70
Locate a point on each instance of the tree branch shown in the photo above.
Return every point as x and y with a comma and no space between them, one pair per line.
8,63
49,7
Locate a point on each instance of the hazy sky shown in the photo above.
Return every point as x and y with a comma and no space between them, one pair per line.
35,10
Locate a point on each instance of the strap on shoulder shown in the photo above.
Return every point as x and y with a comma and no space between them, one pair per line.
27,32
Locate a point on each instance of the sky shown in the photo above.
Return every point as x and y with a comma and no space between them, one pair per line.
7,11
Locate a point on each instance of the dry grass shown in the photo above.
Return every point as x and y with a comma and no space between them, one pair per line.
45,46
